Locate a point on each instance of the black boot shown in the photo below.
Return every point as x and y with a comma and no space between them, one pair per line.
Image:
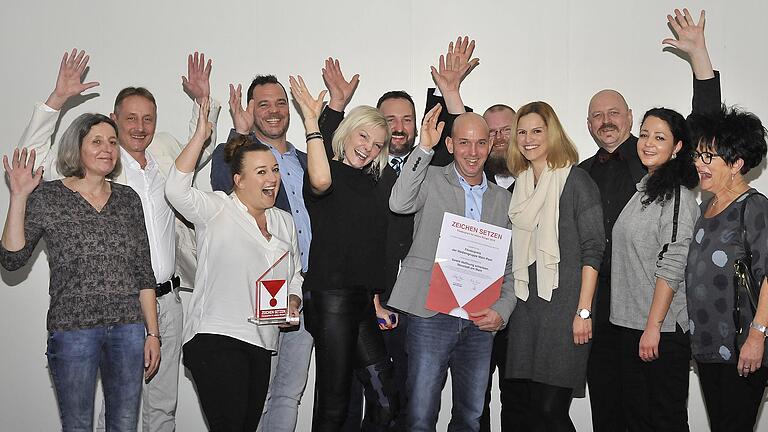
381,405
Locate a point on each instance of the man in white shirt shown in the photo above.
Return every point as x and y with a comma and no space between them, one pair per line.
144,170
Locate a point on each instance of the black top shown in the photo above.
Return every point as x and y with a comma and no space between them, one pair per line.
616,175
99,260
349,225
399,227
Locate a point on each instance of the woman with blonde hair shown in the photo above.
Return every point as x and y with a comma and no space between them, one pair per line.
346,262
558,242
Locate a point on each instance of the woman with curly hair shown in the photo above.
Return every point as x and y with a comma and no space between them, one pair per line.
728,338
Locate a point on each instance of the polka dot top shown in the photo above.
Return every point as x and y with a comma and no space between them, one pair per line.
715,246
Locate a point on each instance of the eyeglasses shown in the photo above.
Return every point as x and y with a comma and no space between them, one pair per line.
504,132
705,156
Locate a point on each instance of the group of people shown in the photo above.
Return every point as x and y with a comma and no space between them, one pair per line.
616,277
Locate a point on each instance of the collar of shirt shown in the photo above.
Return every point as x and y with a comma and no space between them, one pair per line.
130,163
473,196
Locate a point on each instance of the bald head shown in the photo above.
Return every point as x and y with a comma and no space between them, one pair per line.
470,146
470,121
609,119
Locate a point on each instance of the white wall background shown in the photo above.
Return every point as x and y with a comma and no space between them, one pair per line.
558,51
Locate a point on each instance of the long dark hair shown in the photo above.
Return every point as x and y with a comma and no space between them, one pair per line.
676,172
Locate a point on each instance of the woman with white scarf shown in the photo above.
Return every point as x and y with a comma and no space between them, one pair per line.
558,241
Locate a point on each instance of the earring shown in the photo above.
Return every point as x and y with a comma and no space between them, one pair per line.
674,155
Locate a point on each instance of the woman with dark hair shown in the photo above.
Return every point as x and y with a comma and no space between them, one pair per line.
728,333
346,261
102,286
650,243
242,239
558,242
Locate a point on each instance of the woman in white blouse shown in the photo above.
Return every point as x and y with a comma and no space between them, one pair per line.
241,238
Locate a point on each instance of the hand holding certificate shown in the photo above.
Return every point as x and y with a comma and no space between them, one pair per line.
469,267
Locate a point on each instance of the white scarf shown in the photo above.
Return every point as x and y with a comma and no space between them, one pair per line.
535,213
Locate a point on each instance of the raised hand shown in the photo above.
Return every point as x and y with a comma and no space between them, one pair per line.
19,171
204,127
69,82
689,38
341,90
310,107
689,34
243,119
198,83
455,65
431,130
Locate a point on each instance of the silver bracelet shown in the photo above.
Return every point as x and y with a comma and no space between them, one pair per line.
759,327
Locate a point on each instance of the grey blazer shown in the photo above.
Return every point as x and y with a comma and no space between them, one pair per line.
430,191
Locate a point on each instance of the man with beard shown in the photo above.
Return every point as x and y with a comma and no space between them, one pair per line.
499,118
266,118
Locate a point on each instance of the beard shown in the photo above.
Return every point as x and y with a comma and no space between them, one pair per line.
497,165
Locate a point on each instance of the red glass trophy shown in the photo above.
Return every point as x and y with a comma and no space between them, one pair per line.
271,299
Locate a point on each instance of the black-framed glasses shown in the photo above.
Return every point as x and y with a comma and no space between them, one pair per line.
705,156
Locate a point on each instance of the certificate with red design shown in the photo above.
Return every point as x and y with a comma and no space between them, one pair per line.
469,267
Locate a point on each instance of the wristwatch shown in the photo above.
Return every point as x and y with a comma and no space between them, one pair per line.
759,327
584,313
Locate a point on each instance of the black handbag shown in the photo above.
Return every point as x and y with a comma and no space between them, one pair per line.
744,281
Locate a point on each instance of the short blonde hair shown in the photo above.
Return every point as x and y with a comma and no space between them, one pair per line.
363,116
561,150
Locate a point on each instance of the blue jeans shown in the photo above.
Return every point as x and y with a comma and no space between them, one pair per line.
289,379
435,344
75,358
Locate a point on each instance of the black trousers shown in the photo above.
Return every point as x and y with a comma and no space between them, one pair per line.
507,395
347,337
539,407
732,401
604,379
655,394
231,377
394,341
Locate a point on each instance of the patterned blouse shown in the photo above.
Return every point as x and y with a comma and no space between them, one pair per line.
99,260
709,276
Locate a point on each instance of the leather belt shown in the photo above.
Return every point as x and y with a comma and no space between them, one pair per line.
164,288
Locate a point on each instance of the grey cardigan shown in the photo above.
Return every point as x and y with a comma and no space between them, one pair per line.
429,192
639,236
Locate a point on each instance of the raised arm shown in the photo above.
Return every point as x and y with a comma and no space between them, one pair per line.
689,38
37,135
452,68
318,167
197,84
22,182
193,204
407,189
341,90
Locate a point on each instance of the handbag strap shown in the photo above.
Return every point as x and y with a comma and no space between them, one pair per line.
744,240
675,217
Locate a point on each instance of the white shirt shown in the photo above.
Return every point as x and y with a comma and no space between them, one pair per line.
232,254
149,184
504,181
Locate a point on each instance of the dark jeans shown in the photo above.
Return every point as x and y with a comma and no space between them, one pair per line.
507,396
732,401
231,377
76,357
604,379
655,394
347,338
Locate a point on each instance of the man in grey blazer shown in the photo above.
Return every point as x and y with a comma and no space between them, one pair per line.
437,341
